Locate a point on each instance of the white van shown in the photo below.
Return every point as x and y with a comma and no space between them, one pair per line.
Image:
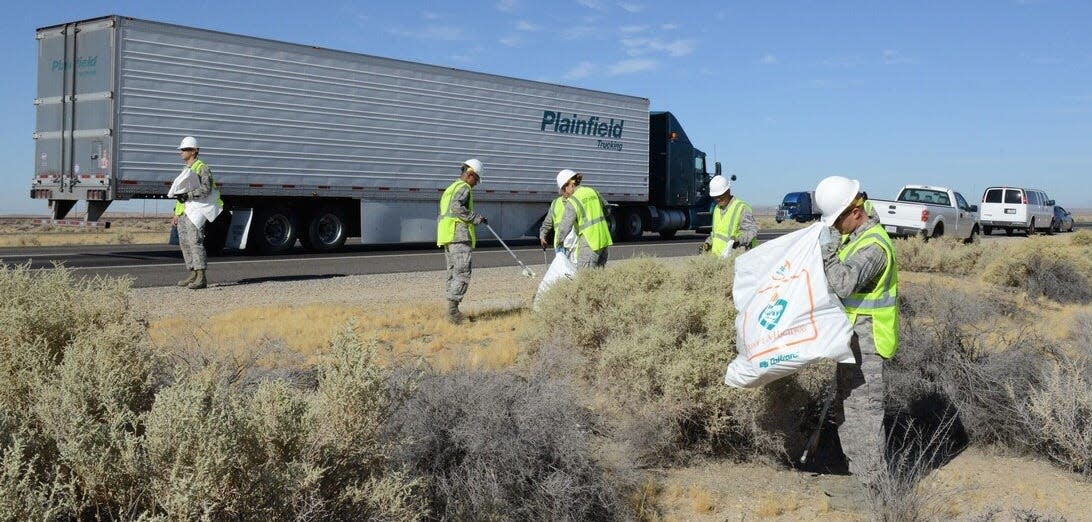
1011,208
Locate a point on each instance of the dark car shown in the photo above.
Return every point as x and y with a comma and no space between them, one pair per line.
1063,220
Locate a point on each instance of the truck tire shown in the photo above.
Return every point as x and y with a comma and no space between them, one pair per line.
326,230
1031,229
274,230
938,231
631,226
1054,227
668,234
987,230
973,237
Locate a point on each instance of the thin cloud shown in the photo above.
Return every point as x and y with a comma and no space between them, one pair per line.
893,57
528,27
511,41
507,6
592,4
645,46
669,27
631,7
631,67
845,62
581,70
768,59
630,29
579,32
430,15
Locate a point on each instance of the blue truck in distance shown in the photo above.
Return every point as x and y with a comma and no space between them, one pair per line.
797,206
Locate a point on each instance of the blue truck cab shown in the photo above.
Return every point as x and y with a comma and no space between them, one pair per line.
797,206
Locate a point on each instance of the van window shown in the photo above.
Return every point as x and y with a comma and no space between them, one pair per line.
1013,197
993,195
1033,197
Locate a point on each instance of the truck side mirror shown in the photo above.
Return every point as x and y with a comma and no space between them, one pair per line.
716,167
733,178
1050,203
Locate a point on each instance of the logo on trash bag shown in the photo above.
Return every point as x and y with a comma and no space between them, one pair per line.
777,359
771,315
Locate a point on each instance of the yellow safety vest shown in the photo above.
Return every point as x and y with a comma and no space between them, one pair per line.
445,226
726,224
180,207
881,302
591,223
557,211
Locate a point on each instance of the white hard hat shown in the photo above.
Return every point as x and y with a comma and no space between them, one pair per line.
189,142
563,177
719,185
833,196
474,165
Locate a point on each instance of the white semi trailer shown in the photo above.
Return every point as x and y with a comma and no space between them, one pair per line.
321,145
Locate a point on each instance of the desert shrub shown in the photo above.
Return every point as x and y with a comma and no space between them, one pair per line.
94,425
1081,238
896,492
124,238
949,350
497,446
1016,514
657,339
1060,412
944,255
1040,268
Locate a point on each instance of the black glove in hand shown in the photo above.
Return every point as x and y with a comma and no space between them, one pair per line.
703,248
482,221
182,198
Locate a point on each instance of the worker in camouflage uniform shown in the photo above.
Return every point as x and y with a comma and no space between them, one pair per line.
859,262
554,215
202,204
733,220
455,233
586,212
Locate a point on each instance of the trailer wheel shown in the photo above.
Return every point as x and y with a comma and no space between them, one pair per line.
274,230
326,230
631,226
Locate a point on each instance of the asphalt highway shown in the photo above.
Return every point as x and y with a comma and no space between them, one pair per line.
161,265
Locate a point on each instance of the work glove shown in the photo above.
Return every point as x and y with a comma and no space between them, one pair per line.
480,220
703,248
829,241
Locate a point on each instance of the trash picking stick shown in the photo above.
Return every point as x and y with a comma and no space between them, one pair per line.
813,440
526,271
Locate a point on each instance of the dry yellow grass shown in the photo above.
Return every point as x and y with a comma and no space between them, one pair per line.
407,331
22,232
702,500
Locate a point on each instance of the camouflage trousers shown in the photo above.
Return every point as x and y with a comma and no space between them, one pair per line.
458,270
861,393
588,258
191,239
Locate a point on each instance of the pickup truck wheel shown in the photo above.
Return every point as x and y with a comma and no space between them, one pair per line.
274,230
1054,227
987,230
1031,229
938,231
973,238
326,230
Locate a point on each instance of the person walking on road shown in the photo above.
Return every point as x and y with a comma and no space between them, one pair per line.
198,202
584,211
733,220
859,262
455,233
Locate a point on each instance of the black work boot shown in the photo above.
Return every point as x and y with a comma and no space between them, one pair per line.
198,280
454,316
188,280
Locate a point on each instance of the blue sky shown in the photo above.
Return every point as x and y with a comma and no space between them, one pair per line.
966,94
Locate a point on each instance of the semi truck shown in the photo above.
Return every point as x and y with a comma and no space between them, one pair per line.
797,206
318,145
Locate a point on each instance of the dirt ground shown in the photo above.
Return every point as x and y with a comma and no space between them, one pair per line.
973,483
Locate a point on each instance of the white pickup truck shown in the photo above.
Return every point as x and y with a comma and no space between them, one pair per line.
928,211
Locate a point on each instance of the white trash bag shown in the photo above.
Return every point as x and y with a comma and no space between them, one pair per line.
785,317
561,268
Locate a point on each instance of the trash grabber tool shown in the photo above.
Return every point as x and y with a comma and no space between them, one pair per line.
813,440
526,271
